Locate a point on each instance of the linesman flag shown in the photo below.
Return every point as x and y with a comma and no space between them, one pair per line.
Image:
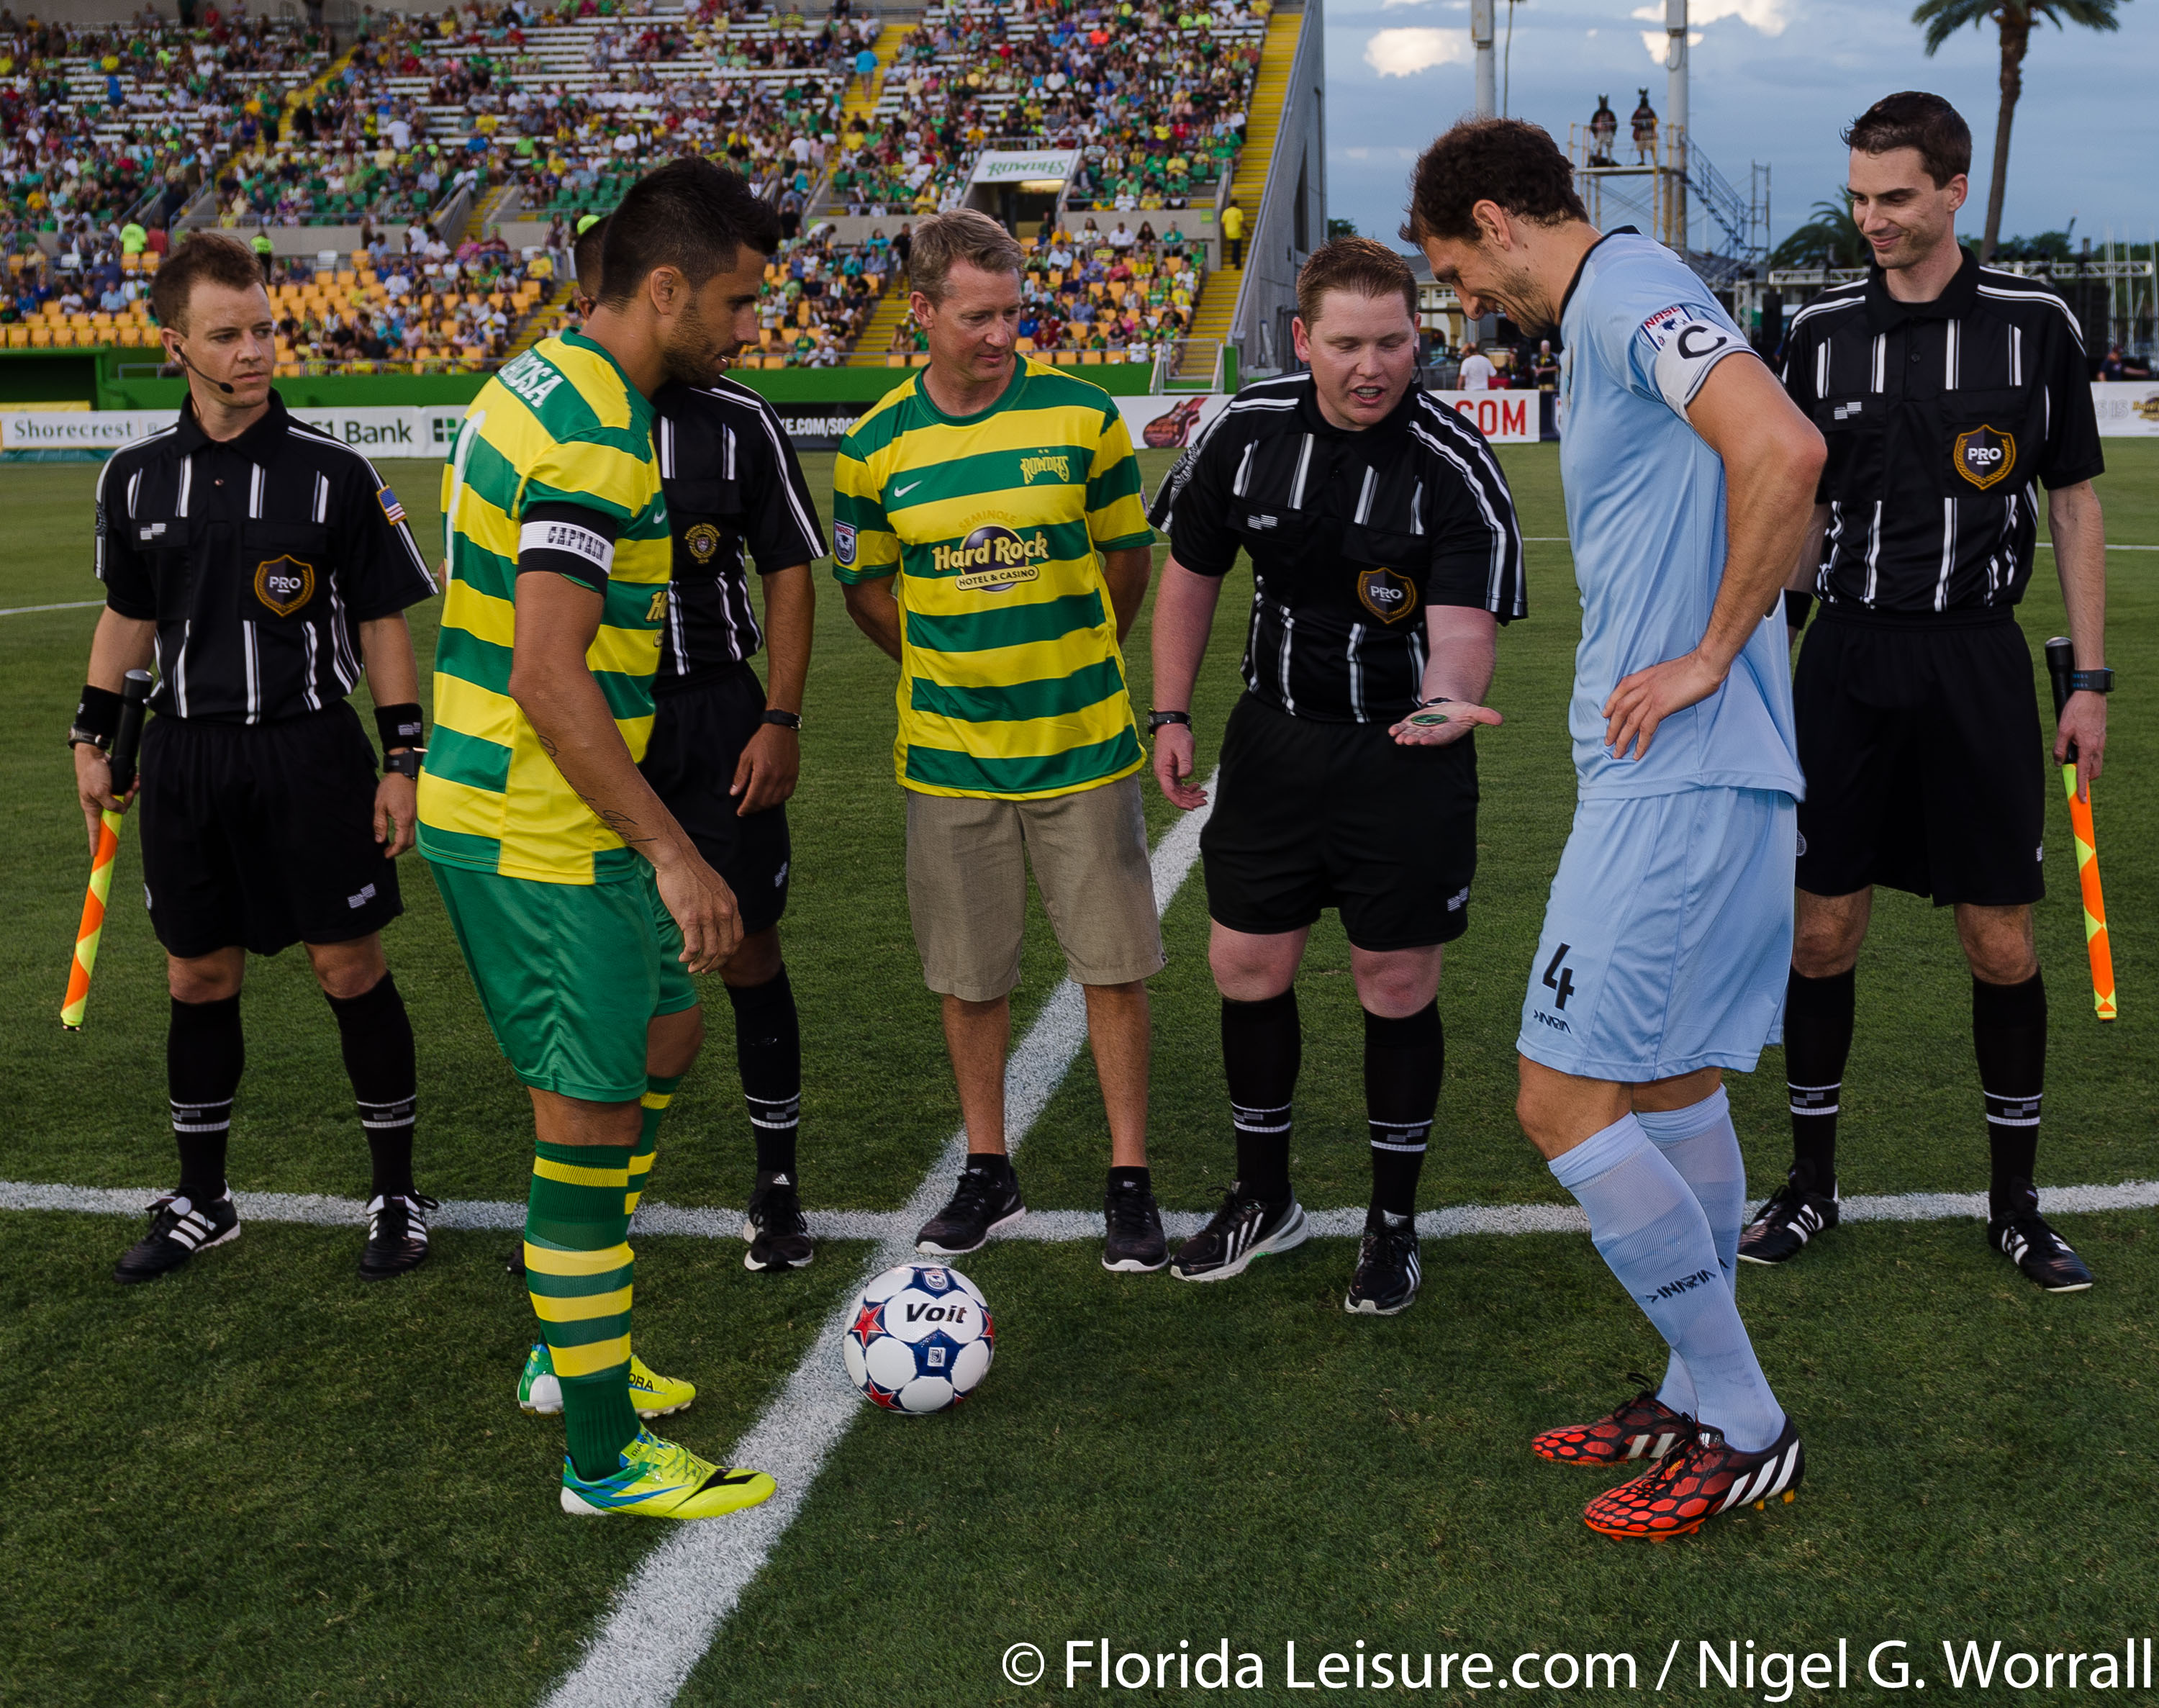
126,741
2061,660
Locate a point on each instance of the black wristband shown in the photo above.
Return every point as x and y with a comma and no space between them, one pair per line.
2098,681
96,715
785,719
406,763
1156,719
399,726
1797,608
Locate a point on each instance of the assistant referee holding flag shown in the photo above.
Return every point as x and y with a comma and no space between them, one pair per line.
1948,393
263,565
1384,556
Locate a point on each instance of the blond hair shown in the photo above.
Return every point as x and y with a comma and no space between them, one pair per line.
962,234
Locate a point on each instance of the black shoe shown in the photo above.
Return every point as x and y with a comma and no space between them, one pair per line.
1243,1229
778,1232
177,1230
396,1234
987,1199
1787,1222
1387,1267
1132,1242
2023,1237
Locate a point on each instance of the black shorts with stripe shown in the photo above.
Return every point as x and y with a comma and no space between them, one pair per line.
1925,758
697,741
262,836
1310,815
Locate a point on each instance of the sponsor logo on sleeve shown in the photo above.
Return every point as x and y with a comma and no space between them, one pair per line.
843,543
1665,322
1984,456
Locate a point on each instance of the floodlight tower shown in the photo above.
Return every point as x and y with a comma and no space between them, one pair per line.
1675,118
1481,36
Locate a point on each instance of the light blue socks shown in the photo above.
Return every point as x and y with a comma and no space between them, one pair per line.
1700,1142
1650,1228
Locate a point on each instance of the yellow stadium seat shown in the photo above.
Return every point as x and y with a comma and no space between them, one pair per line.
18,338
349,276
322,278
41,337
1091,358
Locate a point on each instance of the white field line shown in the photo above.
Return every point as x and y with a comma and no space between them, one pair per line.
664,1617
71,605
1042,1227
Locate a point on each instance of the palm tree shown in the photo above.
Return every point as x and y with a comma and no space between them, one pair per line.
1830,239
2012,18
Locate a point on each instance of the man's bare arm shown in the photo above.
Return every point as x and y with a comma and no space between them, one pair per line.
771,762
875,607
1183,618
120,644
1772,458
393,678
1127,573
2078,528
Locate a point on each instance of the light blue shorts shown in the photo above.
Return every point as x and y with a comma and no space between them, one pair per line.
1668,938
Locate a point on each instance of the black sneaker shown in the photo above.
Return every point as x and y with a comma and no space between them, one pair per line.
1132,1242
778,1232
2023,1237
987,1199
1243,1229
396,1234
177,1230
1787,1222
1387,1267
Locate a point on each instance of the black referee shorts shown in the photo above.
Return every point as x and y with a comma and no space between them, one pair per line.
1924,759
262,836
697,741
1309,816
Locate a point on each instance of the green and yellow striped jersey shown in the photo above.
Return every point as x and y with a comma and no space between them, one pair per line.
562,424
1011,681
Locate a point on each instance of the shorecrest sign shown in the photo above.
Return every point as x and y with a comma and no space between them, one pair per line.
1045,165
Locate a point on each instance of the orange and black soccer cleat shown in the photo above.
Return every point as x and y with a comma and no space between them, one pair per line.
1704,1478
1643,1428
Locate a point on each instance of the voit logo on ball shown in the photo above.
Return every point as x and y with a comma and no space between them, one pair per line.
993,558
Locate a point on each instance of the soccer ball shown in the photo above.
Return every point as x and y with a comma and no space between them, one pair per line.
918,1339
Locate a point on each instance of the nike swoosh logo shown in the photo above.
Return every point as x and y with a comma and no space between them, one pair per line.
902,491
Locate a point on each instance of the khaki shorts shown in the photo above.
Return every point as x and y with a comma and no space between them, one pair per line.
966,887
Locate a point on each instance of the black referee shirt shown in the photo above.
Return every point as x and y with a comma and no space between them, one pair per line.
735,494
258,558
1941,419
1351,535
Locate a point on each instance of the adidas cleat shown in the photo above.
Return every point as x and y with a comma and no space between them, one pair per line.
1791,1218
179,1229
774,1224
1388,1270
2024,1237
1700,1478
397,1235
540,1391
1644,1427
659,1479
1243,1229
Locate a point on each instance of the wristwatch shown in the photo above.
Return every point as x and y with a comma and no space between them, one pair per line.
2100,682
1156,719
405,762
785,720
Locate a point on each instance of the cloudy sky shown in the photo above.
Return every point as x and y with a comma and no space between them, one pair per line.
1773,80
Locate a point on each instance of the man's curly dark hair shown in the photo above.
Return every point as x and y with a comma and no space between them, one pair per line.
1506,161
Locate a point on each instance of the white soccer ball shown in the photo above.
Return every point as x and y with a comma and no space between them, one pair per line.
918,1339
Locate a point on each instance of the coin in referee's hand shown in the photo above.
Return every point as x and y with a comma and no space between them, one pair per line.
1427,719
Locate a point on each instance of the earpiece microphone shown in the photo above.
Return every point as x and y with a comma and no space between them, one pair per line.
221,385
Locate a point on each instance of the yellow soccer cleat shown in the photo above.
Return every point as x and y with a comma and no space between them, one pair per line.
659,1479
540,1394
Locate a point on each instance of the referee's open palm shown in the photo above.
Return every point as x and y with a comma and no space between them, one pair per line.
1437,723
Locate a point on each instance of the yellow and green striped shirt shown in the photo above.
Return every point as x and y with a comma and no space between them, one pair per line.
1011,681
562,424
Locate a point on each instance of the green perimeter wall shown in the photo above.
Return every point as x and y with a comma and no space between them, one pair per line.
93,377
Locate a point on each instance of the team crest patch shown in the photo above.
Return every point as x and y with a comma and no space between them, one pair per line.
843,543
1984,456
284,584
704,541
1388,594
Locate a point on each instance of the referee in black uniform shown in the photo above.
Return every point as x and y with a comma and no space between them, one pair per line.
1386,554
726,751
263,566
1948,393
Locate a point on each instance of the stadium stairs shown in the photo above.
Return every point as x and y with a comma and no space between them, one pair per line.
1218,300
301,97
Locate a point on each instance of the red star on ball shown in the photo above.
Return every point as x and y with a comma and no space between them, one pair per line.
869,1324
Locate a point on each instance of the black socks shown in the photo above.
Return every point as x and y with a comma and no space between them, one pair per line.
204,1055
1262,1049
1818,1017
2009,1037
768,1051
376,1035
1403,1061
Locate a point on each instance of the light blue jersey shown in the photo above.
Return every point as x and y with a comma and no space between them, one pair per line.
1645,513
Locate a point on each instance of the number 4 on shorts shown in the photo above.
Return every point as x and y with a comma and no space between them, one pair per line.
1559,976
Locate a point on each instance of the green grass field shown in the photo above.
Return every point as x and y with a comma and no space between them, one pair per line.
260,1483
